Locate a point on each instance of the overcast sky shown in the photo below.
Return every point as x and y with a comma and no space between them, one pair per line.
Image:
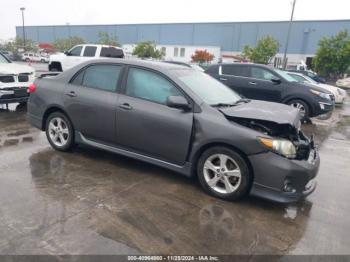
58,12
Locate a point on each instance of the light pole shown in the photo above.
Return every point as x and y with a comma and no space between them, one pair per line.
24,34
288,35
68,25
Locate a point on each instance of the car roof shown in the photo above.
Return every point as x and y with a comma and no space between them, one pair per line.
157,65
242,64
162,67
97,45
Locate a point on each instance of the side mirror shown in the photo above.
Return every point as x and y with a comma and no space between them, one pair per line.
276,80
178,102
66,53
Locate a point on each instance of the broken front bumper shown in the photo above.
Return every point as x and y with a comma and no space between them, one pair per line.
281,179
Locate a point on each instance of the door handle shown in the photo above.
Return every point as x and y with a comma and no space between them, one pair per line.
71,94
252,83
125,106
223,79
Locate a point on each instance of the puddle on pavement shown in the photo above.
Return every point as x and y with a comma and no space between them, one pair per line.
342,130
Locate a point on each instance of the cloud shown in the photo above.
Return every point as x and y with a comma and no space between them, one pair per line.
43,12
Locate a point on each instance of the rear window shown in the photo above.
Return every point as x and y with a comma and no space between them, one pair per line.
90,51
112,52
235,70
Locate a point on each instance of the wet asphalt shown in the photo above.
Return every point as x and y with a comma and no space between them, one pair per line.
94,202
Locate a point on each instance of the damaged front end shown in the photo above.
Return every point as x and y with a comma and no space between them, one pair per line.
303,145
278,123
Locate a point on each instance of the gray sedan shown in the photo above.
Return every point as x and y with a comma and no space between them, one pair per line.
180,119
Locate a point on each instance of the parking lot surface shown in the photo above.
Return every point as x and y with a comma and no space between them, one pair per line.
95,202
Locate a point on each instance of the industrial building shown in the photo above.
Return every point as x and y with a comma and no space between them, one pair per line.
229,38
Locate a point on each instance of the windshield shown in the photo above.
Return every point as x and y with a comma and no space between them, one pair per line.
310,80
3,59
285,75
210,90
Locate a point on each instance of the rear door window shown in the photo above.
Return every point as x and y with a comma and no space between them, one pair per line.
103,77
235,70
90,51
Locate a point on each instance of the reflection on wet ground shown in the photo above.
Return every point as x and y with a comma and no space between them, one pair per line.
94,202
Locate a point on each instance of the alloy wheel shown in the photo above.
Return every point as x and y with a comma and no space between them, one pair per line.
222,173
58,131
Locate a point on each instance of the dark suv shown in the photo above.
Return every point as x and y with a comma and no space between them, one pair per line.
265,83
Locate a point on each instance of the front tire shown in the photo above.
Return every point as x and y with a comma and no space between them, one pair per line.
59,132
223,173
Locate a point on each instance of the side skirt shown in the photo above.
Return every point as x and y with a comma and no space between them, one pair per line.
184,170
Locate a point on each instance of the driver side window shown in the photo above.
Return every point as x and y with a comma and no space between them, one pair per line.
76,51
150,86
260,73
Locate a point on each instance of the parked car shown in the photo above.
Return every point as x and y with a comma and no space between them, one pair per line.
310,74
344,83
8,54
34,57
266,83
180,119
82,53
15,79
190,65
338,93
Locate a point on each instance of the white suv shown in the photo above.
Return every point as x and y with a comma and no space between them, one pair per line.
82,53
15,80
34,57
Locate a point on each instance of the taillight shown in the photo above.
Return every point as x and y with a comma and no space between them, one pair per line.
31,89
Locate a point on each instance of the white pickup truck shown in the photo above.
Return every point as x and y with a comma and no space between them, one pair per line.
81,53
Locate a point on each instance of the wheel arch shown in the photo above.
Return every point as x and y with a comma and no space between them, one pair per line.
55,65
287,100
205,147
51,110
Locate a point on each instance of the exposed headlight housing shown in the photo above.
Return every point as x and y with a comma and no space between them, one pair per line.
321,94
280,146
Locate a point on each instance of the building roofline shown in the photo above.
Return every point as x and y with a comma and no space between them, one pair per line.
191,23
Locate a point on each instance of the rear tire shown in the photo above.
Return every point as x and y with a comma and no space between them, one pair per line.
302,106
59,132
223,173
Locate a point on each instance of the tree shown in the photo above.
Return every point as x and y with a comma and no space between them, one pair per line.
266,48
147,50
333,55
202,56
64,44
106,39
17,43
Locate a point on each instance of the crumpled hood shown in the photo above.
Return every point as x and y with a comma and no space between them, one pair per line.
15,69
261,110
